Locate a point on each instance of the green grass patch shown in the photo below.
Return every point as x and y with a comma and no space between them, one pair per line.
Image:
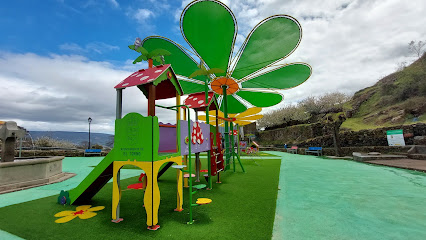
259,154
367,107
357,124
243,207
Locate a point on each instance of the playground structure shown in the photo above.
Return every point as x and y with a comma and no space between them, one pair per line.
137,142
235,121
214,84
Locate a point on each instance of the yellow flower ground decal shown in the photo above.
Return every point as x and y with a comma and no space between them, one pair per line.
83,212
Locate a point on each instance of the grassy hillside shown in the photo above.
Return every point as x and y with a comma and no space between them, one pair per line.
399,98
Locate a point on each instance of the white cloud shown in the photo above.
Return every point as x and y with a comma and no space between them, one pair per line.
142,15
73,47
114,3
59,92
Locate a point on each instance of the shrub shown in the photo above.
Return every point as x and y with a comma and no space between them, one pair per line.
46,141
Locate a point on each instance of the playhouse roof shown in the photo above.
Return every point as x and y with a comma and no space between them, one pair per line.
156,75
197,101
143,76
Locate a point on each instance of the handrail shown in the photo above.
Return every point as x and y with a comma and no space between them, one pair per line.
170,108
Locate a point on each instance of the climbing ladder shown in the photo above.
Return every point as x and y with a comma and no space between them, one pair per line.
188,170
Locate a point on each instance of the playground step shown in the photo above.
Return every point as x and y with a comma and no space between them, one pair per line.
179,166
199,186
203,201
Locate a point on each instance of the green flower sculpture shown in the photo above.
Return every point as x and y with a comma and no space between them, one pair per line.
252,76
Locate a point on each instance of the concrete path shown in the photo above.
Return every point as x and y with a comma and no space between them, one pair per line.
339,199
413,164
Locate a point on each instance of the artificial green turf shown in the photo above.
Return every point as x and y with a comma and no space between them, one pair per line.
243,207
258,154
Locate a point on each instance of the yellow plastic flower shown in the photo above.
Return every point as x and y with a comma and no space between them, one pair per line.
83,212
201,201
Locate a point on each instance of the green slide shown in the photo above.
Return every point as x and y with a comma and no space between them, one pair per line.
91,185
136,138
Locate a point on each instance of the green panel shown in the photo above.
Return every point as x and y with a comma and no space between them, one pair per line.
234,106
286,77
190,87
261,99
272,40
136,138
209,27
181,63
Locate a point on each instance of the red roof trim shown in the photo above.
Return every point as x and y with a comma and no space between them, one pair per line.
143,76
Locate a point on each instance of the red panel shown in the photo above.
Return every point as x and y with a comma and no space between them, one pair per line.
197,100
143,76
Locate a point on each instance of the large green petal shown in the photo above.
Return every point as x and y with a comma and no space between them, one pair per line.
209,27
260,99
271,40
234,106
181,62
286,77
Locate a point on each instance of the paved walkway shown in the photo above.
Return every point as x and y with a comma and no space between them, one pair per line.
339,199
413,164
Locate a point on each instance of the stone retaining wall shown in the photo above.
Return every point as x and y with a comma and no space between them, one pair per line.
347,151
312,135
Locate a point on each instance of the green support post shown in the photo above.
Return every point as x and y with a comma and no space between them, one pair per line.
238,140
238,150
225,113
209,159
231,126
191,221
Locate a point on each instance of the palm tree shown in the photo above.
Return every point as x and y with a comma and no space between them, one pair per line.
157,54
202,71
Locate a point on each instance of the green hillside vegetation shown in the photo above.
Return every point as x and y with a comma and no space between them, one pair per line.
397,99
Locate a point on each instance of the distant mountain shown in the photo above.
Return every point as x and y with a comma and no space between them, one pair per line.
75,137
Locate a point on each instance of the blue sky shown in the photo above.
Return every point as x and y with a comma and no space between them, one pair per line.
99,30
60,59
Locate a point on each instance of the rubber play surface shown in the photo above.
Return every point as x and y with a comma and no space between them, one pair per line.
339,199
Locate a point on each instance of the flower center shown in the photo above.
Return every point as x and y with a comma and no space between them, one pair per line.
229,83
78,212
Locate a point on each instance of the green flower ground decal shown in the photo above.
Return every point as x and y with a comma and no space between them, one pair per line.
251,77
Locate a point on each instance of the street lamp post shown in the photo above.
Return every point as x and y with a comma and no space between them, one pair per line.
89,120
